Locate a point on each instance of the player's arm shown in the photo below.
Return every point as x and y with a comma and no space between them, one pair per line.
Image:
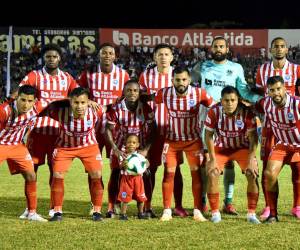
109,137
211,165
244,89
252,168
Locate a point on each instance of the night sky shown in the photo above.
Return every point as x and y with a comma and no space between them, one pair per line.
152,14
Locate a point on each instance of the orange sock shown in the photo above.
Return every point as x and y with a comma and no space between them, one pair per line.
30,193
57,193
96,194
196,187
252,201
167,188
214,201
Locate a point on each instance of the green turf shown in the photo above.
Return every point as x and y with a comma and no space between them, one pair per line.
77,231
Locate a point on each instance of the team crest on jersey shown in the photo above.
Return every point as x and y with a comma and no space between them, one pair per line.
229,72
290,116
115,82
239,123
63,82
287,77
89,123
192,103
124,194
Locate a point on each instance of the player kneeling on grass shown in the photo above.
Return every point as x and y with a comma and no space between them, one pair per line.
76,140
230,134
132,185
15,117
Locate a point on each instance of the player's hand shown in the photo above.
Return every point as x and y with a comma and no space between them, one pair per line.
95,106
119,154
125,164
212,168
252,169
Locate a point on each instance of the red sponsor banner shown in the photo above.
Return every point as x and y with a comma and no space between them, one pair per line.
237,38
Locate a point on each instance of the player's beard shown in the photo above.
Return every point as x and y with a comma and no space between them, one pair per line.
219,57
278,101
181,89
279,57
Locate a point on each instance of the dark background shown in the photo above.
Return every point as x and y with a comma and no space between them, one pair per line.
153,14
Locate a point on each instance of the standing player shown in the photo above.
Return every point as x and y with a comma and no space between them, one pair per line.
52,84
230,134
213,76
129,116
278,66
15,118
151,81
283,113
182,102
105,82
132,186
76,139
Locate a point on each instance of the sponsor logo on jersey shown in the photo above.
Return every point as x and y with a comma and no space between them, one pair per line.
192,103
229,72
287,77
115,82
124,195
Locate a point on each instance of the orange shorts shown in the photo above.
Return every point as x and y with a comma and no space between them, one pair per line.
285,154
40,146
18,158
131,187
193,150
90,157
156,149
225,155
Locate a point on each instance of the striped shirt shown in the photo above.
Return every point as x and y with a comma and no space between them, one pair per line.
75,132
183,112
49,88
127,122
285,121
151,81
231,131
14,127
290,74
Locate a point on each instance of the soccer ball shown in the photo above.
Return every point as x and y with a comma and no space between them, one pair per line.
136,164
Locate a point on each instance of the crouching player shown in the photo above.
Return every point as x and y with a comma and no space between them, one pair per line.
15,117
234,129
131,184
76,140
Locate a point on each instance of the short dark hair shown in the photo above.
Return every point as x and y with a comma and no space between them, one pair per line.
78,92
181,69
277,38
162,46
220,38
131,80
51,46
274,79
27,90
131,134
229,90
106,45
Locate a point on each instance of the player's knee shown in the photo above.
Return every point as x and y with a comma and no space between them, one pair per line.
30,176
194,168
170,169
95,174
269,175
59,175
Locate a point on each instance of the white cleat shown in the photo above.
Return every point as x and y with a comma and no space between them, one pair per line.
216,217
167,215
198,216
36,217
24,215
251,217
51,213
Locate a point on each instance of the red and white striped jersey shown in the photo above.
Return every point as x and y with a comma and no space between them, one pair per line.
127,122
13,127
151,81
230,131
183,112
285,121
290,73
49,88
74,132
104,88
